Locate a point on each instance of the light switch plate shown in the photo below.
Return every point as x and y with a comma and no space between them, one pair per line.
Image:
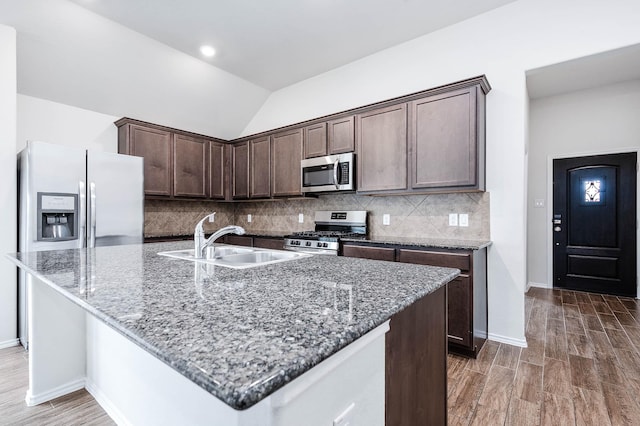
386,219
300,218
248,218
212,218
453,219
463,219
538,203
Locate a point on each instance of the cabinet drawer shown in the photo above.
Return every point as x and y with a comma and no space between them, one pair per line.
460,261
375,253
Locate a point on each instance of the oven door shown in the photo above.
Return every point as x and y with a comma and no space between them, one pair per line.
328,174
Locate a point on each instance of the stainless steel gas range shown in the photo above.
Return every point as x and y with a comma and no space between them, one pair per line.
330,227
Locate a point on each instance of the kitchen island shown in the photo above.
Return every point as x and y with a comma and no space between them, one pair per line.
257,340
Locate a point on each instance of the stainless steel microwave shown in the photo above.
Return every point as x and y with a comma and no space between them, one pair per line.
328,174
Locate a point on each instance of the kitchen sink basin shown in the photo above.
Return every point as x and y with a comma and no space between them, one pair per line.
236,257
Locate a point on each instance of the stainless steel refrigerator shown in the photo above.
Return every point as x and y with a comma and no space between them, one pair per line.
74,198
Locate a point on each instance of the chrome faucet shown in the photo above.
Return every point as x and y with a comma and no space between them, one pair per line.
199,240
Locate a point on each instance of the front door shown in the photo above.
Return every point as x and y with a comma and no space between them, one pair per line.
594,223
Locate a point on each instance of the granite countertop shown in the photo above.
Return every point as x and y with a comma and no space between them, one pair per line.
424,242
239,334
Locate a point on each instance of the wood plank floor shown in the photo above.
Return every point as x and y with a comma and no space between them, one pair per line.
77,408
581,366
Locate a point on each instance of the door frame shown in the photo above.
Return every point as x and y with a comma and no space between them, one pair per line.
549,206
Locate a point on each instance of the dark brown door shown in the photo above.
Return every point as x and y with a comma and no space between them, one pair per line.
190,167
286,154
594,223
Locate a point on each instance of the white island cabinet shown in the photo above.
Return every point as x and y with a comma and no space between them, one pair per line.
71,349
162,341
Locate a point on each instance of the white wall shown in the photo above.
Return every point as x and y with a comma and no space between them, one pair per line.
8,183
502,44
596,121
70,55
47,121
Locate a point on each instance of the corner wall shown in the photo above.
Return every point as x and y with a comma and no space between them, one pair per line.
8,187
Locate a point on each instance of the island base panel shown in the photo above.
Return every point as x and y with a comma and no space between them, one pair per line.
134,387
57,340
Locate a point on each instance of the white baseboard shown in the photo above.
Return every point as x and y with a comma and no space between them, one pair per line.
508,340
54,393
539,285
108,406
9,343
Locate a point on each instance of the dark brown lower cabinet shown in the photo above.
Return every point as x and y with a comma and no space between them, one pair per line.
238,240
416,363
467,299
250,241
268,243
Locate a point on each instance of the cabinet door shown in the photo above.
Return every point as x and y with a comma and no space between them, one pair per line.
382,149
217,170
285,160
375,253
315,140
260,168
240,162
459,301
155,147
190,167
443,140
341,135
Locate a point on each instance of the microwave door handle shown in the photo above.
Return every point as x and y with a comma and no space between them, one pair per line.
335,173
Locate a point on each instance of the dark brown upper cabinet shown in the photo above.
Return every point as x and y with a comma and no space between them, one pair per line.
155,146
190,167
177,164
218,170
341,135
240,165
315,140
446,143
381,136
424,142
286,154
260,167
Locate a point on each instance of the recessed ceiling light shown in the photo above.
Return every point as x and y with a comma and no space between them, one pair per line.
207,51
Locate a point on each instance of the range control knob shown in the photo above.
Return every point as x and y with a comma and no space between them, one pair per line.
308,243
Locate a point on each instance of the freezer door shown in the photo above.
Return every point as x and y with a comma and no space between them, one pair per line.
115,198
48,168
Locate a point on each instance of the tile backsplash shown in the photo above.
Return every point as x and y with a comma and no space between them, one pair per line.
423,216
170,217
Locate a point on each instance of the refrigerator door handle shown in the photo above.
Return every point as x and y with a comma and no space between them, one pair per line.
92,215
82,223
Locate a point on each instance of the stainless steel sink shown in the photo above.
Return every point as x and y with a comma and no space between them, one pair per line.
236,257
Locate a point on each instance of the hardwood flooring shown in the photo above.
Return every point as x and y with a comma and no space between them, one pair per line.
77,408
581,366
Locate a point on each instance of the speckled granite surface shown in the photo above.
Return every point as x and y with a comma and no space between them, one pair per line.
426,242
239,334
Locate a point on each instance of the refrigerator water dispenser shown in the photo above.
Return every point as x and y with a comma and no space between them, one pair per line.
57,216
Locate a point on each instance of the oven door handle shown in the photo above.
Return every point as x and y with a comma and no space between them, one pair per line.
335,173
